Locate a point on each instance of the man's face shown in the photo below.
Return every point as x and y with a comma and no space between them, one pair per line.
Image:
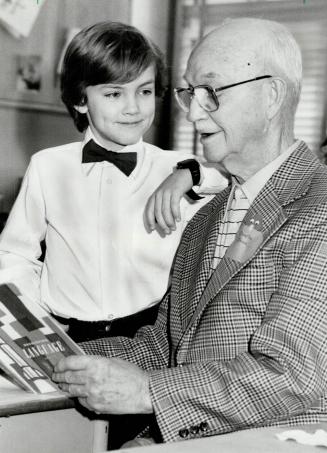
234,134
119,114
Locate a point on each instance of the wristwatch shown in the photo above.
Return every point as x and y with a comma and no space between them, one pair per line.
194,167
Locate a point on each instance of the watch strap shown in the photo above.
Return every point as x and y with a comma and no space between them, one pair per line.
194,167
193,195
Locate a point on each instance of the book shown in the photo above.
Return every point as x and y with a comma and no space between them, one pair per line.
31,342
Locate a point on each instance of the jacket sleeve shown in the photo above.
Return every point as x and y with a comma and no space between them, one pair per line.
149,349
280,374
20,240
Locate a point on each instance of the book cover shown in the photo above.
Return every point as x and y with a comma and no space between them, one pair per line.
31,342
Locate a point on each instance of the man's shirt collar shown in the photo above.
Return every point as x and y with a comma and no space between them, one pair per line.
252,186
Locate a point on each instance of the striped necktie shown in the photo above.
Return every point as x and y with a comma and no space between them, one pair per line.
237,207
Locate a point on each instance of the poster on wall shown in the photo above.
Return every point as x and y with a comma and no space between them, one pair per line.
29,75
18,16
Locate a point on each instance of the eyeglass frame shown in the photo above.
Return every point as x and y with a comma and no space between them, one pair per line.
213,91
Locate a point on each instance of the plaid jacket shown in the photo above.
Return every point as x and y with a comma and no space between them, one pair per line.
247,348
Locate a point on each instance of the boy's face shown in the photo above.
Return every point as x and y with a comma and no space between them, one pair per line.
119,114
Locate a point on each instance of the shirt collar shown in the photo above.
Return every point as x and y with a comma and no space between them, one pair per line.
252,186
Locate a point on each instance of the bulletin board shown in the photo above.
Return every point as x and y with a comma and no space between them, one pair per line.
29,76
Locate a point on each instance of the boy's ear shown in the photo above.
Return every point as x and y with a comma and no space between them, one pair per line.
81,108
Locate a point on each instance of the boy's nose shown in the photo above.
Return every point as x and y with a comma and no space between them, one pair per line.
131,105
196,112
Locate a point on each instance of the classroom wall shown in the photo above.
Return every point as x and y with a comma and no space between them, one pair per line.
23,132
153,17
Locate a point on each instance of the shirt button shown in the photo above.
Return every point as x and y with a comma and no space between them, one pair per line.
109,181
110,317
107,328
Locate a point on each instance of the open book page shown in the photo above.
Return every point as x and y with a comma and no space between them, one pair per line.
31,342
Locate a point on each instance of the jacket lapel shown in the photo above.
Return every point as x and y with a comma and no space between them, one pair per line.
272,207
198,255
272,216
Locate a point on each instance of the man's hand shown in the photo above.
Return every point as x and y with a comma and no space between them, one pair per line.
163,207
105,385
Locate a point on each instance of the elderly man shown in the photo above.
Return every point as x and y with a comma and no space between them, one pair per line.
241,337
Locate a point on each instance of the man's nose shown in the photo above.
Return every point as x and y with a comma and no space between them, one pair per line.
196,112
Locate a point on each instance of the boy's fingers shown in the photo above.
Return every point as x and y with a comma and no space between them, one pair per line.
175,207
167,212
158,213
149,213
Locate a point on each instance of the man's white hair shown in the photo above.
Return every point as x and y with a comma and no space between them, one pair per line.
281,57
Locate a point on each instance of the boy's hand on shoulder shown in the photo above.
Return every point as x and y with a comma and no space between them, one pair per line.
163,207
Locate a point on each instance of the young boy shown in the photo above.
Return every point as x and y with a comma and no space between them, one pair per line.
103,272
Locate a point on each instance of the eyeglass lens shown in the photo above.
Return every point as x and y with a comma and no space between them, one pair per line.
204,97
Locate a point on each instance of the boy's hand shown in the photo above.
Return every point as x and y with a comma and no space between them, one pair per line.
163,207
105,385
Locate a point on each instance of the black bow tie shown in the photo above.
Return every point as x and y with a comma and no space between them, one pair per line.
92,152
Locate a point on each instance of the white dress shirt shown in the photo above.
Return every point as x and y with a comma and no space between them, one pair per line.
101,262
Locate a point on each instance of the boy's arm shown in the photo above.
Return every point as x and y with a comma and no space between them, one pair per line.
20,240
163,207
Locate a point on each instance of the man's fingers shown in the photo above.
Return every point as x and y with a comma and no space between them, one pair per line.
74,389
84,403
69,377
93,406
73,362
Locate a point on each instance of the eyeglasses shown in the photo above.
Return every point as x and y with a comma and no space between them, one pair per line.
205,95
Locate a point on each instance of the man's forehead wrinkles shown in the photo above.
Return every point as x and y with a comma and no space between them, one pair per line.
210,75
228,54
198,72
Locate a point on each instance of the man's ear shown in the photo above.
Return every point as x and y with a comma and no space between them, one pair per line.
277,96
81,108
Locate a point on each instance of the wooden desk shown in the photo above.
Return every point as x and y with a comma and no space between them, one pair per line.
262,440
31,423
